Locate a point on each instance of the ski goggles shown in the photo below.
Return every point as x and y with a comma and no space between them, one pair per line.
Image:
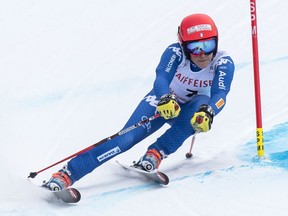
197,48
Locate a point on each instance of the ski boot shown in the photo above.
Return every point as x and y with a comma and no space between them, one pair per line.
150,161
59,180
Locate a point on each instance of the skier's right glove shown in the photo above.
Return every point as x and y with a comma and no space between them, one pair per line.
168,106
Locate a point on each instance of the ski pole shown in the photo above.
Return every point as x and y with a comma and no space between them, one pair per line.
189,154
123,131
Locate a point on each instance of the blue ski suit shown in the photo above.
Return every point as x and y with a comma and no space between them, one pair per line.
192,86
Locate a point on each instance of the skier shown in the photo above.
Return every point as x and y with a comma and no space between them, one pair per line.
192,81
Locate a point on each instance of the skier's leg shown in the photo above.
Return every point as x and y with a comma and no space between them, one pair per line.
175,136
87,162
181,129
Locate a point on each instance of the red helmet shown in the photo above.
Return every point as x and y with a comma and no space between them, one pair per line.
197,27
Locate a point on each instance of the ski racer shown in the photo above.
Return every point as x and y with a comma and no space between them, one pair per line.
192,81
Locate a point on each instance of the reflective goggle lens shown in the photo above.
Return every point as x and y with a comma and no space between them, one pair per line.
199,47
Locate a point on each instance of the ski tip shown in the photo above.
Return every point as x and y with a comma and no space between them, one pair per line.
164,178
69,195
75,194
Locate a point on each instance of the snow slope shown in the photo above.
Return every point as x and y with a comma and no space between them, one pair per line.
73,71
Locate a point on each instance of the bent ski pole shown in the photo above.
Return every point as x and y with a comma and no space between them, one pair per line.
123,131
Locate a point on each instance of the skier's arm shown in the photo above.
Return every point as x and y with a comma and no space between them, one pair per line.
203,118
166,69
224,72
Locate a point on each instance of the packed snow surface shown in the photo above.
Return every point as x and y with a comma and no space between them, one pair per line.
73,71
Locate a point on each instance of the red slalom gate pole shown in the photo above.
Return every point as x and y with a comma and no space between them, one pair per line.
259,129
123,131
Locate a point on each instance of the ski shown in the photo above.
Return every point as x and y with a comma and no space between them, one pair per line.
156,175
68,195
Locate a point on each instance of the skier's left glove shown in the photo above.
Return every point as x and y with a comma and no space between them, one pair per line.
202,119
168,106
